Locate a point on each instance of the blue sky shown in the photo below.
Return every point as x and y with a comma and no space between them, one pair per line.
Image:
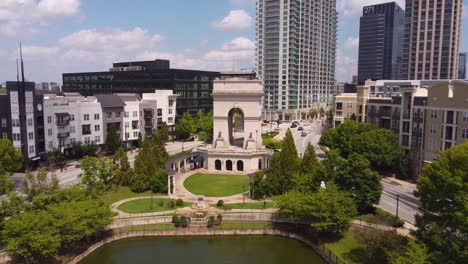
88,35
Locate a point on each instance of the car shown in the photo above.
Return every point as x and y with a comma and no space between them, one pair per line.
306,123
296,123
303,134
266,121
274,124
293,125
300,128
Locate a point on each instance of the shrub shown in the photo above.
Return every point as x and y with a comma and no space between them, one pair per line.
220,203
161,203
176,220
183,221
211,222
179,202
172,203
398,222
219,217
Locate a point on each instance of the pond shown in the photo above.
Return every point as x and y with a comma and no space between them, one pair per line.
198,250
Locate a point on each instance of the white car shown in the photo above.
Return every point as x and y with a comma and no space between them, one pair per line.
306,123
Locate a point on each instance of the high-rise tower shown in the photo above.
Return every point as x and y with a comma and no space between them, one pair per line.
381,42
295,54
432,39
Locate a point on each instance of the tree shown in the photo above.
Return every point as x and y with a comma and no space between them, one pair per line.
313,113
309,163
258,187
185,126
11,159
97,174
113,141
414,253
31,235
6,184
361,181
306,178
205,126
442,189
11,206
321,112
272,143
284,166
40,183
123,173
328,210
164,131
380,245
56,157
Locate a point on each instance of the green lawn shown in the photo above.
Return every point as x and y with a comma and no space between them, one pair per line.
254,205
379,216
216,185
119,193
144,206
348,247
243,225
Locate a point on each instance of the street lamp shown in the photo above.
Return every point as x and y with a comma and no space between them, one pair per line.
397,202
243,195
264,201
256,139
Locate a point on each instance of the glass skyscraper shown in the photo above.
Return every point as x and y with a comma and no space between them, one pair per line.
295,54
381,42
462,66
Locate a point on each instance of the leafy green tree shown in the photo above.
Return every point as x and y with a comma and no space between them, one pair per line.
113,141
258,187
150,172
284,167
12,205
164,131
272,143
31,236
11,159
328,210
123,173
442,189
34,185
361,181
380,245
97,174
321,111
313,113
309,163
6,183
56,158
306,179
185,126
414,253
205,126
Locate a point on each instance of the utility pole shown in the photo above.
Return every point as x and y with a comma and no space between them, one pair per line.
397,202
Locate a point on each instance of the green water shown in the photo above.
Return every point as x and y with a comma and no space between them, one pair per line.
201,250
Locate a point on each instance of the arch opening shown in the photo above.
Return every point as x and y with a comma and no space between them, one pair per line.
236,127
240,165
217,165
229,165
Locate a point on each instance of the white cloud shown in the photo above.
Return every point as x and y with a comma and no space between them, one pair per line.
352,43
346,67
38,52
236,19
24,17
352,8
242,2
239,43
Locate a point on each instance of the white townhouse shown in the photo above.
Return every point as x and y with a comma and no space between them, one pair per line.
131,118
156,108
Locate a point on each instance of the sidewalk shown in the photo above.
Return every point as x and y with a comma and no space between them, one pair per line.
403,231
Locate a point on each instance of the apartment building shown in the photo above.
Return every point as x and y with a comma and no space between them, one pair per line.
156,108
345,108
72,118
295,54
432,39
131,119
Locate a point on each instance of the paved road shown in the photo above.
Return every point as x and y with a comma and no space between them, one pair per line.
313,137
408,205
70,175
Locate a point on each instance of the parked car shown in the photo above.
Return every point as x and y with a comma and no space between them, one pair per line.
266,121
303,134
306,123
296,123
300,128
293,125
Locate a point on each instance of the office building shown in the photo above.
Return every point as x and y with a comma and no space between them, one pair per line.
462,66
380,42
72,118
431,39
295,54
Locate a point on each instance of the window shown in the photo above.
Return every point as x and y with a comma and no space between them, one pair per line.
117,114
127,114
97,127
171,103
72,117
87,140
135,134
4,123
86,117
349,114
135,113
97,139
433,114
51,144
96,116
30,122
4,135
49,131
127,135
159,111
464,133
49,119
86,130
134,124
433,129
72,129
350,105
109,115
465,116
31,135
31,149
127,124
16,137
72,140
170,111
170,120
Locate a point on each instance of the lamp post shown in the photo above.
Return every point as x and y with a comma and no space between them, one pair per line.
243,195
264,201
397,202
256,139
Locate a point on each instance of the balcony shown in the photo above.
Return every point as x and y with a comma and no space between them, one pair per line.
63,134
62,122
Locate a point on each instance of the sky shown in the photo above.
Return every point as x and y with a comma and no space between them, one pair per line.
60,36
